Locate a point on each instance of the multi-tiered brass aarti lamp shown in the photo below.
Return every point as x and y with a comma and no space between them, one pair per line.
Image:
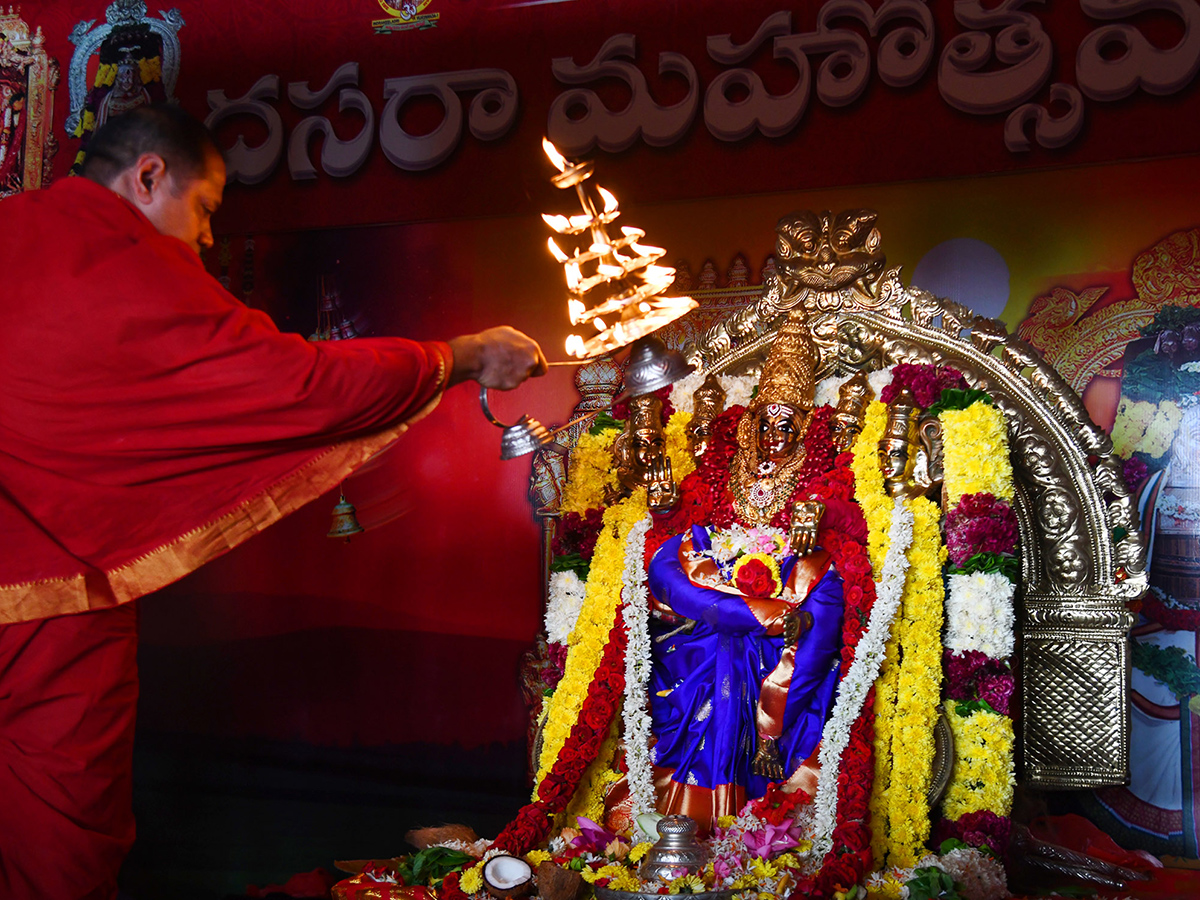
615,297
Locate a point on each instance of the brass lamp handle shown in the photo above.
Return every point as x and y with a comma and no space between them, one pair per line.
483,401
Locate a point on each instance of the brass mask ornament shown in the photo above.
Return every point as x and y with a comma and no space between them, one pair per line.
708,402
901,456
854,396
641,445
824,252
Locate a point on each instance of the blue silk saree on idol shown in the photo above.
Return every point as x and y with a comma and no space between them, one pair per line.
719,684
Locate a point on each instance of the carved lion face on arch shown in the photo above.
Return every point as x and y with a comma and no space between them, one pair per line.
824,252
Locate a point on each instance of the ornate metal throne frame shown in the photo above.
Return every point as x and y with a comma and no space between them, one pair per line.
23,49
1082,556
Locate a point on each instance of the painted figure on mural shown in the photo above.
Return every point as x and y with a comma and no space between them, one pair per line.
127,92
1157,429
12,137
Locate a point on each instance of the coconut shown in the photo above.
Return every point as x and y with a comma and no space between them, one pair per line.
557,883
507,876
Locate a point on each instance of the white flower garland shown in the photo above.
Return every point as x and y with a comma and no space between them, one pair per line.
567,591
635,713
980,614
738,390
852,691
828,390
1178,508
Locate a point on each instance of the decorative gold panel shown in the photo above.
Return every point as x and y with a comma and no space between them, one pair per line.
1082,554
26,70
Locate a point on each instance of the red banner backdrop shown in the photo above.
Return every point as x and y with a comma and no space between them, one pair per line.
387,111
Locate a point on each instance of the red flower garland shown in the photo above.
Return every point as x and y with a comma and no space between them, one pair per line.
1169,617
925,381
532,822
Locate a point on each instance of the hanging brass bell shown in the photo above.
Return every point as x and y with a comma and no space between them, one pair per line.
345,522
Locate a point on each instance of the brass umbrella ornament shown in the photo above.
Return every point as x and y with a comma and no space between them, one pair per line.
615,296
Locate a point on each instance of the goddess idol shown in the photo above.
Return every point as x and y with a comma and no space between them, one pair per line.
748,616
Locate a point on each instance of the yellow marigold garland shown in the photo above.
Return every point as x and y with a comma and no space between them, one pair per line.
87,123
982,777
150,69
592,472
682,463
918,689
983,765
868,484
587,641
876,507
972,436
885,709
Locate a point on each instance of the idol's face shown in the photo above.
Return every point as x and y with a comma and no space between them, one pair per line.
780,428
698,435
648,446
125,80
894,457
843,431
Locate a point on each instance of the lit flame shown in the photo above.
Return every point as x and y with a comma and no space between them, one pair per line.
658,273
610,271
646,249
643,307
573,275
556,250
558,223
575,346
599,323
555,157
610,201
632,232
601,249
580,222
575,310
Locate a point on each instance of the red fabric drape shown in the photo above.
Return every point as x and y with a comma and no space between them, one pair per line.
149,420
68,696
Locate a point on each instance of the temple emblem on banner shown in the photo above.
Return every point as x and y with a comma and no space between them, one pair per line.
405,15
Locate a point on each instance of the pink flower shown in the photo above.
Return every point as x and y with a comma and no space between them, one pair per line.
772,839
592,836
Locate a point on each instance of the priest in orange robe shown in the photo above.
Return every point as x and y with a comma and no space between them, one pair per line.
149,422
